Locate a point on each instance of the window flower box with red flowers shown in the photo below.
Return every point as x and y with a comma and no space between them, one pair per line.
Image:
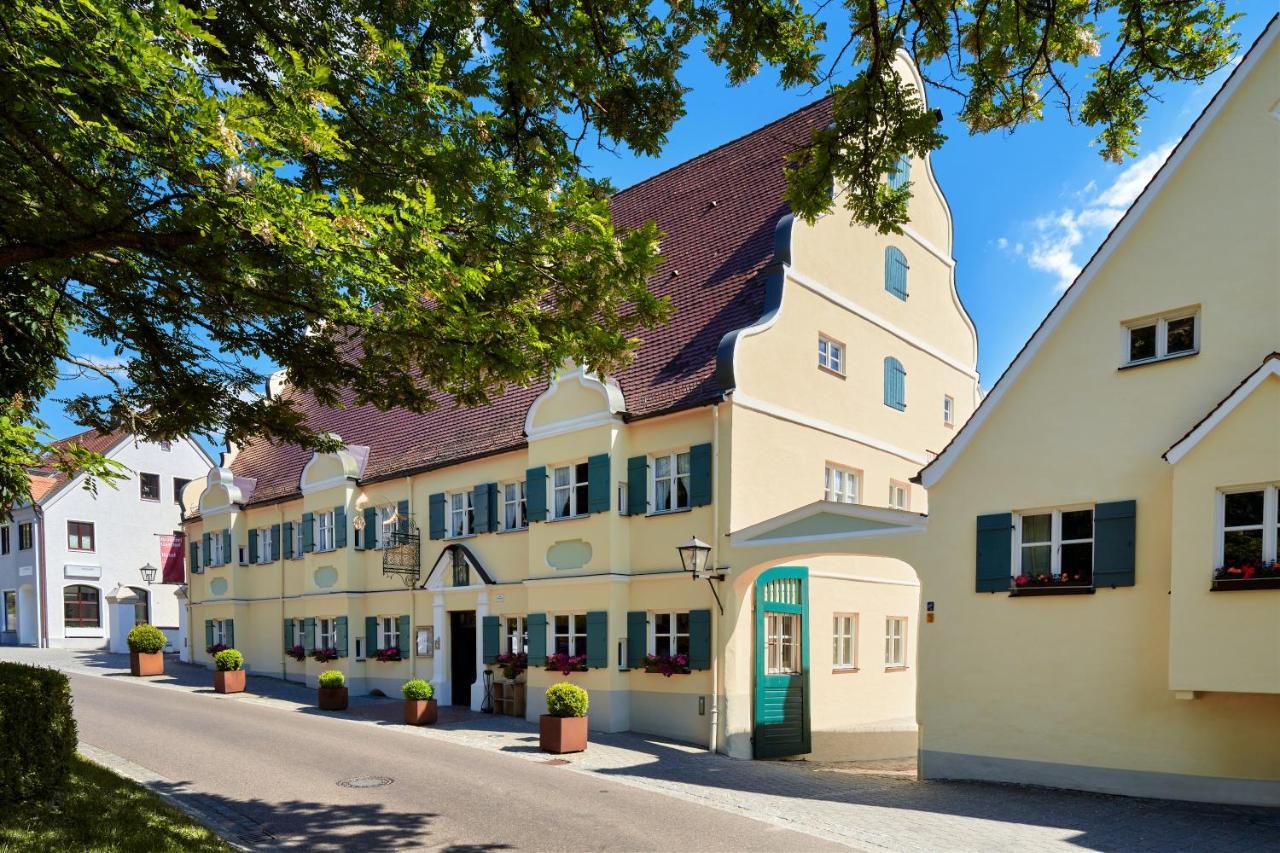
1045,583
512,664
668,665
1246,576
325,655
565,664
389,655
298,653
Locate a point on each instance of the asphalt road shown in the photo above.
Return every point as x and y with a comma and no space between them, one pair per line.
280,770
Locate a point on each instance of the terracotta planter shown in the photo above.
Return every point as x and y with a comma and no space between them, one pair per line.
228,681
333,698
559,735
420,712
146,663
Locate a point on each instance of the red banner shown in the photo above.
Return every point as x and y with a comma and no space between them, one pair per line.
172,557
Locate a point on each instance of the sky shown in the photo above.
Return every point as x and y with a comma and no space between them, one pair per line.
1029,208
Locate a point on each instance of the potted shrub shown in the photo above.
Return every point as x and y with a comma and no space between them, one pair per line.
564,727
146,650
333,691
229,675
419,703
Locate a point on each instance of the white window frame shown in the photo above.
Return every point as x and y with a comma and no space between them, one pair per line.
895,632
142,475
297,552
896,486
325,538
1270,521
948,410
388,632
462,514
520,502
1161,322
300,632
381,529
219,632
849,489
514,641
264,546
326,632
673,479
1055,537
574,486
773,641
841,621
672,635
216,557
831,354
573,634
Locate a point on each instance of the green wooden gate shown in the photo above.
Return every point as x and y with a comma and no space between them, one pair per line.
781,713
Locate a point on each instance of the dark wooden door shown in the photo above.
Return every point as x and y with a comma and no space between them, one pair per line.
462,655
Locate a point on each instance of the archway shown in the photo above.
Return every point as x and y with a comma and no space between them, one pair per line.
141,607
27,615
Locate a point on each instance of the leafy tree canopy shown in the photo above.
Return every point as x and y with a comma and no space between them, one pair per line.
387,196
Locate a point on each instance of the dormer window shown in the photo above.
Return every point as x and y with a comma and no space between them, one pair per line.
1157,338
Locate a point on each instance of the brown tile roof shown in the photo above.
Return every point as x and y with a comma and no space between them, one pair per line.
40,486
717,212
1275,356
45,479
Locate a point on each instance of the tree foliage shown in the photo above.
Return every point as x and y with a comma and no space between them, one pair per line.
386,198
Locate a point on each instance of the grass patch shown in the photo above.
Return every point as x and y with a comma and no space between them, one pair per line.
98,810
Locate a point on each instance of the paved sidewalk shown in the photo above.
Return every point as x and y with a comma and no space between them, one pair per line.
878,812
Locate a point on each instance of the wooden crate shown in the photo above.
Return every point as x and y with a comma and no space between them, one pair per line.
509,698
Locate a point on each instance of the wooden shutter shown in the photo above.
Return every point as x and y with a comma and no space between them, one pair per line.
435,516
339,527
895,384
402,636
536,625
275,543
227,556
208,633
309,634
995,552
287,550
402,510
308,532
901,173
895,272
491,500
370,636
369,538
253,545
206,544
195,557
489,638
597,639
536,494
637,485
700,475
699,639
480,515
1114,541
637,637
288,635
598,483
229,632
341,631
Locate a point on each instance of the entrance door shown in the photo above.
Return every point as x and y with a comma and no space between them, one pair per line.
782,663
10,634
462,655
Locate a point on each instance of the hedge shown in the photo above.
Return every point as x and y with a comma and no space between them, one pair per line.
39,731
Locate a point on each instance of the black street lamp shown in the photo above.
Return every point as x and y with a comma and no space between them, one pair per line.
693,556
149,573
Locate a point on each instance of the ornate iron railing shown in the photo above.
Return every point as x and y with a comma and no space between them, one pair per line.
402,556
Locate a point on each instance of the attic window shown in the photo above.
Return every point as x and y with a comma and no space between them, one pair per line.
1158,338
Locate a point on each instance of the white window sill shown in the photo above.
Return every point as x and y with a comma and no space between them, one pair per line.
578,517
1159,360
524,529
460,537
659,512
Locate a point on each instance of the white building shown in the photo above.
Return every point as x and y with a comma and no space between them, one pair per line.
70,562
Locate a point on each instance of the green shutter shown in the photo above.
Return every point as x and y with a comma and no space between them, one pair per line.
369,537
253,545
287,550
339,527
206,543
489,638
342,636
288,635
370,636
637,485
435,515
229,631
1114,539
700,475
494,520
637,637
402,509
699,639
227,556
275,543
536,494
195,558
995,552
598,483
309,635
208,633
402,636
597,639
536,625
308,532
481,518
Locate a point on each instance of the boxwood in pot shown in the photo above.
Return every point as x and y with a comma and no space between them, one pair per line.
146,647
564,727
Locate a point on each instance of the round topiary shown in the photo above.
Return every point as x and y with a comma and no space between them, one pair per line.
418,690
567,700
146,639
228,660
332,679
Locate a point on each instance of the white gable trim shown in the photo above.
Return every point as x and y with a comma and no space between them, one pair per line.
1185,445
78,480
611,397
758,533
939,467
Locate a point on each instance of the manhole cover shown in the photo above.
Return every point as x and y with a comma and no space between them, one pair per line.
556,762
365,782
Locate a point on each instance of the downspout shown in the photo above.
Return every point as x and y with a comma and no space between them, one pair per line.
280,549
413,596
42,612
713,740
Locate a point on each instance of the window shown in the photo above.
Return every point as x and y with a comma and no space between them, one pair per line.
80,535
844,641
219,632
569,635
782,643
514,515
671,482
901,173
324,531
1162,337
10,610
1056,542
25,536
300,632
149,485
297,540
81,607
831,354
385,527
462,515
895,641
948,411
841,484
1250,527
571,490
899,495
142,606
4,540
266,547
515,635
895,384
216,554
327,633
178,485
895,272
388,633
670,634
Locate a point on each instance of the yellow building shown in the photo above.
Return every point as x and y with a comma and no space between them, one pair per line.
1099,563
803,363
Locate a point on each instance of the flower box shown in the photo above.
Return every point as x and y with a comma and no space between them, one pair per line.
1044,583
325,655
559,735
388,655
1246,576
229,681
667,665
513,665
332,698
565,664
420,712
146,663
298,653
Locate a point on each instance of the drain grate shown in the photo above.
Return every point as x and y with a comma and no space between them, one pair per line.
366,782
